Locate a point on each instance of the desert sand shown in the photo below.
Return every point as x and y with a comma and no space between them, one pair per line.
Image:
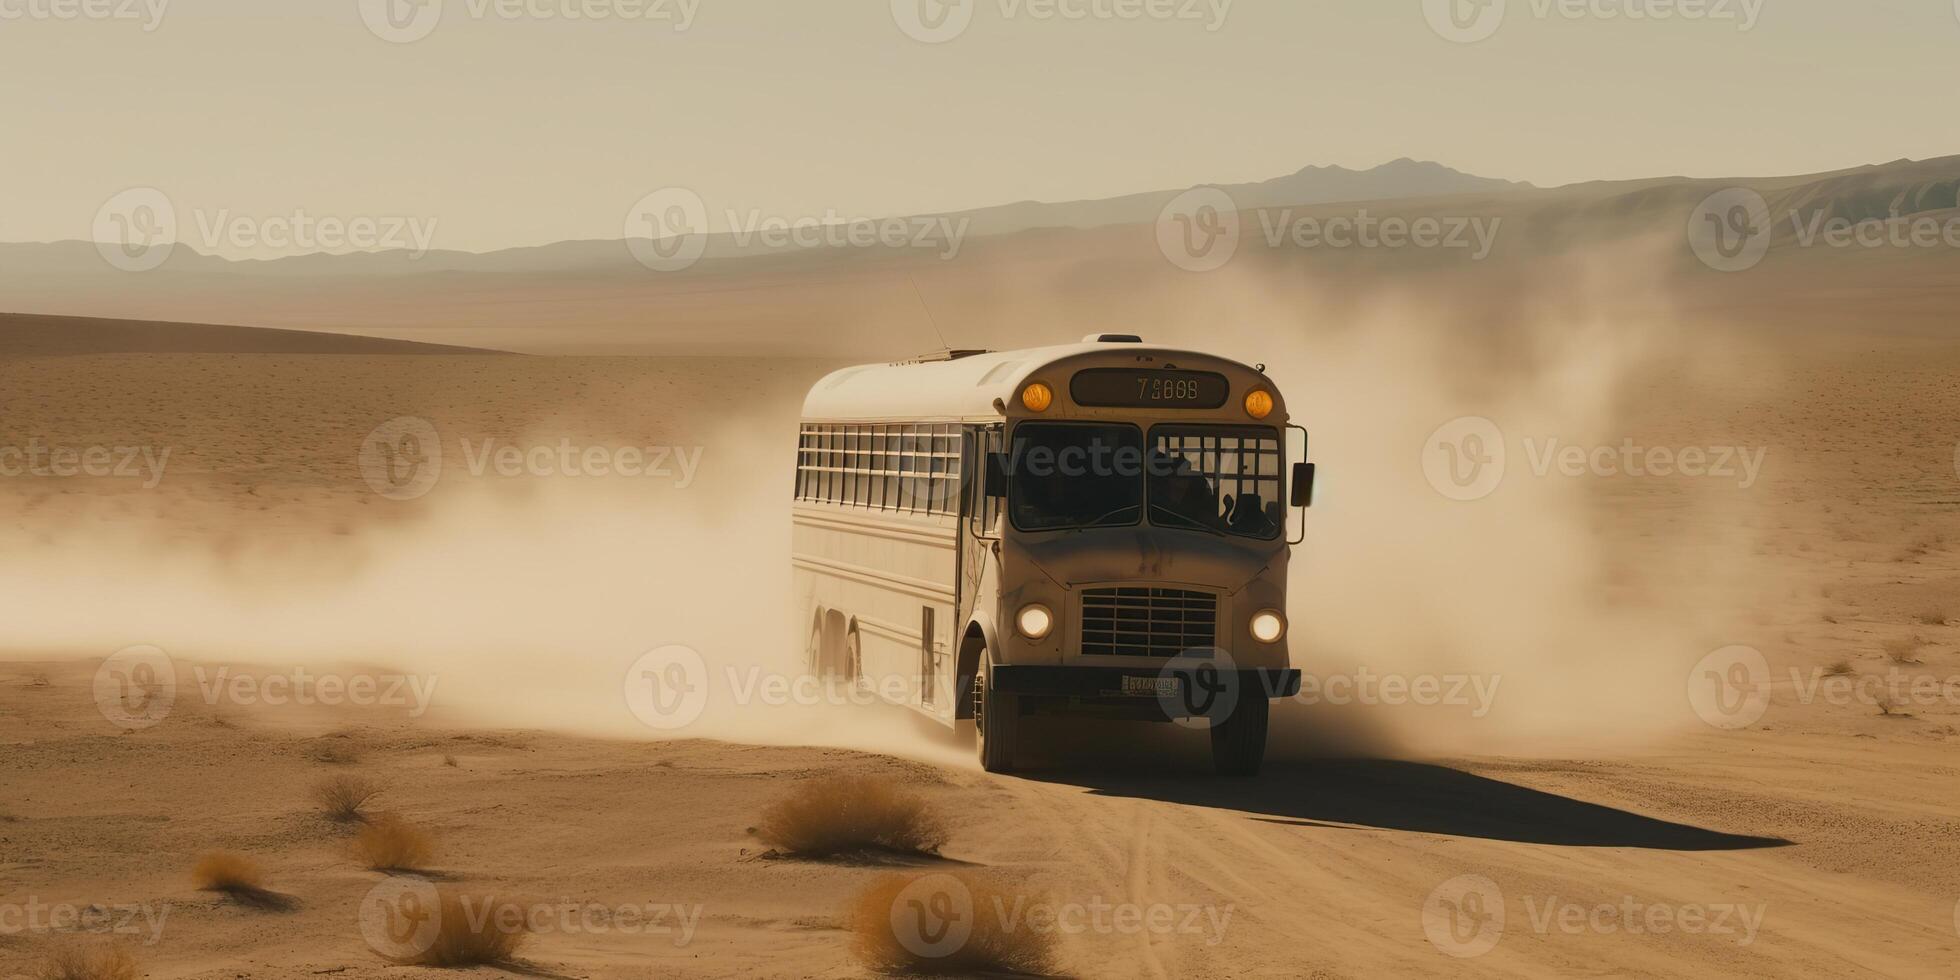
1817,841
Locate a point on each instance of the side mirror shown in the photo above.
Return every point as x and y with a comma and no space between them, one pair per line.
1303,474
997,472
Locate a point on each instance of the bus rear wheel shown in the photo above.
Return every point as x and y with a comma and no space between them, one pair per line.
1238,742
996,716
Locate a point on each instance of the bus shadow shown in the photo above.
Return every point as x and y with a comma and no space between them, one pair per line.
1416,798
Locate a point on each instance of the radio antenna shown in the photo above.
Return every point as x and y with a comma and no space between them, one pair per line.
943,345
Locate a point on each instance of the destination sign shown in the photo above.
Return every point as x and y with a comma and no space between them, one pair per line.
1140,388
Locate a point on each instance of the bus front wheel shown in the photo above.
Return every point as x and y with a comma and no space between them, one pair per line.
995,718
1238,743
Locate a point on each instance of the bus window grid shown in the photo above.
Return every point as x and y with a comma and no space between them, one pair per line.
897,467
1237,460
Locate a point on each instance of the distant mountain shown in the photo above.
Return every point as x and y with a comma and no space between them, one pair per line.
1028,271
1402,178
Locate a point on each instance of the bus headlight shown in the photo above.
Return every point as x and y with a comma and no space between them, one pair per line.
1259,403
1035,621
1268,626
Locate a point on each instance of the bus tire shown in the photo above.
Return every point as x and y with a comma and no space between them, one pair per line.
996,717
813,647
1238,743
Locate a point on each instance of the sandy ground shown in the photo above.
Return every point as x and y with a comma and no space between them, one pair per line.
1816,841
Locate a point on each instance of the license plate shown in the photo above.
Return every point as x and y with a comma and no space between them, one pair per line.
1151,687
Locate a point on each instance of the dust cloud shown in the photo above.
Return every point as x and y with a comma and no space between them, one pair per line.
1536,618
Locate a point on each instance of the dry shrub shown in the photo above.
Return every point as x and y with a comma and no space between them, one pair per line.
839,814
1903,651
472,931
342,797
1000,941
1933,617
239,878
1841,668
389,843
89,963
39,680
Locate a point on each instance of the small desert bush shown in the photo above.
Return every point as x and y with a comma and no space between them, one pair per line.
1932,617
389,843
334,752
1841,668
1903,651
342,797
39,680
840,814
228,872
88,963
471,931
1000,939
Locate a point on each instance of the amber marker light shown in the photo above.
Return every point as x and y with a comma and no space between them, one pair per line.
1037,397
1259,403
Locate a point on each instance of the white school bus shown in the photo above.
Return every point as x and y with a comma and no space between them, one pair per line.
1096,529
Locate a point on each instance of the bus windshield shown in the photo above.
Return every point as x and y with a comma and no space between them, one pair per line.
1218,479
1076,475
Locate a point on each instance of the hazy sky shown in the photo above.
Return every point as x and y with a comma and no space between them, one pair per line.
504,127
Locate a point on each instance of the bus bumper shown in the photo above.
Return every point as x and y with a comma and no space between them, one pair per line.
1121,683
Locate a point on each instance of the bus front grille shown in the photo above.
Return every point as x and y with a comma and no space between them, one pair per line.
1146,622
